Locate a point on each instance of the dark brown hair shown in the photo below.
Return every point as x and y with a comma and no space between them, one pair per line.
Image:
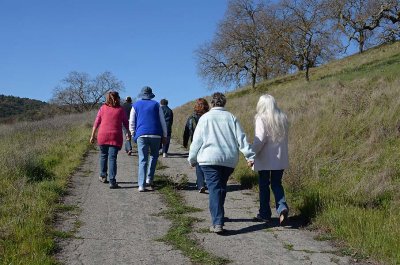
164,102
218,100
112,99
201,106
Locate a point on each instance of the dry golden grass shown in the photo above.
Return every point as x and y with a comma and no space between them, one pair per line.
344,145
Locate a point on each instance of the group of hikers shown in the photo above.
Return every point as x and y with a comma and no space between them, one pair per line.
216,139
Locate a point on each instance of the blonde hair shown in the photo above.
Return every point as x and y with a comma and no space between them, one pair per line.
275,120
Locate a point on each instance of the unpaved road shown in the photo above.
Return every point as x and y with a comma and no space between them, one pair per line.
121,226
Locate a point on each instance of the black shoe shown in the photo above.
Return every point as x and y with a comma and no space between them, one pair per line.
259,218
283,217
114,186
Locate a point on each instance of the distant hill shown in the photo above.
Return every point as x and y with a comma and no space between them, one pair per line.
16,108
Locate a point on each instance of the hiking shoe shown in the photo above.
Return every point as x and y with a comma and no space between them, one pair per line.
103,179
141,189
130,153
150,184
259,218
218,229
202,190
114,186
283,217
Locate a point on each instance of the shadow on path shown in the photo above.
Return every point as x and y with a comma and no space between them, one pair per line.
294,222
178,155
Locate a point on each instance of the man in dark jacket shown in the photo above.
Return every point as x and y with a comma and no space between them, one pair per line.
169,119
127,106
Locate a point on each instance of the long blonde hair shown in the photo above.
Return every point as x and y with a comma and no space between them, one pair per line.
275,120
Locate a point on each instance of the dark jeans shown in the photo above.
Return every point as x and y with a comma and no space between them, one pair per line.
216,179
273,178
200,181
108,161
165,146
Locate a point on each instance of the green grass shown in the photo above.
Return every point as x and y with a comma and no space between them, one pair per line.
179,233
36,162
344,173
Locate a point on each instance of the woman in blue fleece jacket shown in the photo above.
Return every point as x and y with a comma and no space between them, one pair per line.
217,140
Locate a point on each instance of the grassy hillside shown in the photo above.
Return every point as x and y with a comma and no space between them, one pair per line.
36,160
344,147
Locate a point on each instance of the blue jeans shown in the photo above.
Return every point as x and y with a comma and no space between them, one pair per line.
273,178
146,172
165,146
216,179
128,144
200,181
108,161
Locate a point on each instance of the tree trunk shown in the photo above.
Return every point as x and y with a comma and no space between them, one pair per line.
361,43
253,80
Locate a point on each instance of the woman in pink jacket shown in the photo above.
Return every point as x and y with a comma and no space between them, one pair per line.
271,148
109,121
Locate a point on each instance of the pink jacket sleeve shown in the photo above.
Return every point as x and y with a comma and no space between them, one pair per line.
98,119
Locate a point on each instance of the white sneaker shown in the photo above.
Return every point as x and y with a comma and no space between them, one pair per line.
141,189
218,229
164,155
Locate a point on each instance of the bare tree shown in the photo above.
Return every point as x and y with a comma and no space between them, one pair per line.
236,52
81,93
359,19
391,22
305,37
390,10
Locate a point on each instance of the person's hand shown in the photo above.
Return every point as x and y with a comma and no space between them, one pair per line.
92,139
128,136
250,163
193,164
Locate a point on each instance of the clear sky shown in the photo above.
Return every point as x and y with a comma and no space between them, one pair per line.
142,42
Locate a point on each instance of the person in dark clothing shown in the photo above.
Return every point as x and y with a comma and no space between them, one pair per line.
169,120
127,106
201,106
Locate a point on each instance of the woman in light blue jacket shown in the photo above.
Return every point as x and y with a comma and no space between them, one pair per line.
217,140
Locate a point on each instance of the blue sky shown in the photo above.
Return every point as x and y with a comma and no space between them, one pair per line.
142,42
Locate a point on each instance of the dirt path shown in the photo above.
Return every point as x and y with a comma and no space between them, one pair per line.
114,226
121,226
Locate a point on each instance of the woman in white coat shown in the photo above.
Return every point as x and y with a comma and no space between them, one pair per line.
271,148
